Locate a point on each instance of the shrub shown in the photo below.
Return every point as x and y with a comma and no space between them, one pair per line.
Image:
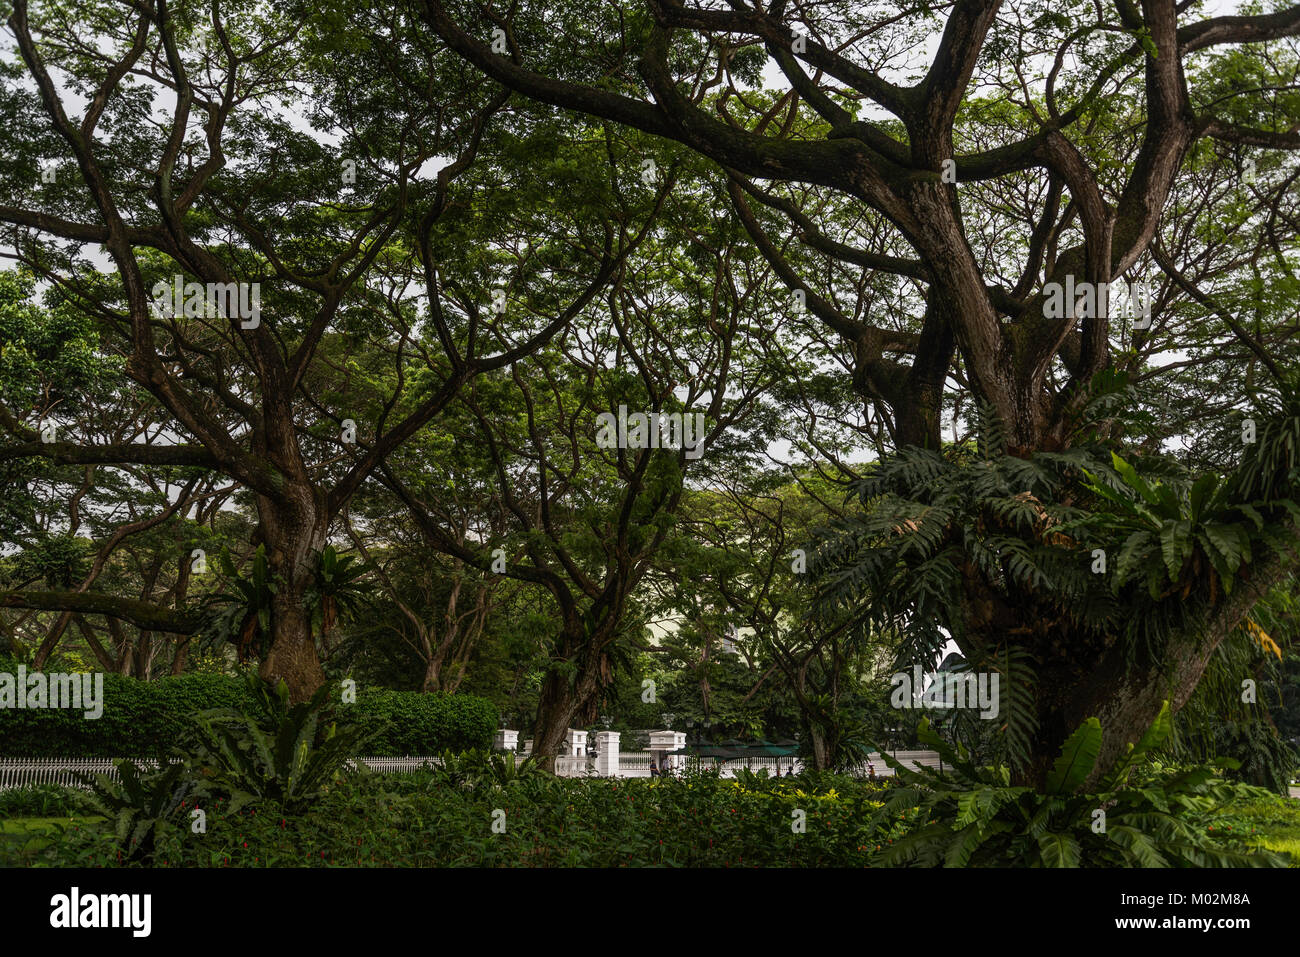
141,719
1140,815
410,723
146,719
422,820
142,805
286,753
41,800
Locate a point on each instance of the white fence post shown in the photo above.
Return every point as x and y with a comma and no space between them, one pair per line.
607,754
575,742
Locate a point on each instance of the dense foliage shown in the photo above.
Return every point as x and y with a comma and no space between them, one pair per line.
1138,815
147,719
434,819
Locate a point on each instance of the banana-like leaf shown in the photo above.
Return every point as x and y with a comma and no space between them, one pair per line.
1078,756
1133,480
1059,850
1151,739
1203,495
1175,546
1137,844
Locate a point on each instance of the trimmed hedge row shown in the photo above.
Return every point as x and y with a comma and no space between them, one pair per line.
423,820
144,719
415,723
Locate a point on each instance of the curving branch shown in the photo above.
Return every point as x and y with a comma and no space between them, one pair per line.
142,614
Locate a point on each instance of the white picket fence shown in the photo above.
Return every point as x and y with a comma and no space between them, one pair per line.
908,759
634,764
574,766
728,768
24,772
387,765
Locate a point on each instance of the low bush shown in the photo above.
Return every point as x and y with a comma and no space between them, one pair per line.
141,719
423,820
41,800
1268,822
441,818
146,719
1138,814
406,722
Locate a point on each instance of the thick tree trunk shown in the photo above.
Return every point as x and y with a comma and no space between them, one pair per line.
555,709
432,674
1073,688
566,702
293,656
181,656
144,653
294,530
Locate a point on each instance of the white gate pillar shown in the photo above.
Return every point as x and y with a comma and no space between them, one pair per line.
575,743
662,744
607,754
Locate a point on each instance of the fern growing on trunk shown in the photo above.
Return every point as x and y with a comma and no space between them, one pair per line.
1080,569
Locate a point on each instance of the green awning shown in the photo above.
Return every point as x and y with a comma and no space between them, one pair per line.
730,752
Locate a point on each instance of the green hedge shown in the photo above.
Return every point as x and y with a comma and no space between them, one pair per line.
144,719
422,820
141,719
416,723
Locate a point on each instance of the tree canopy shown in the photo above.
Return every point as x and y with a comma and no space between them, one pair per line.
537,350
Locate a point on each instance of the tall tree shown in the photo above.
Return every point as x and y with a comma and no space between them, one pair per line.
344,242
1029,165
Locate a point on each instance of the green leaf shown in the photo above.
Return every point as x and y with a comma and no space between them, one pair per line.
1134,481
1202,493
1078,757
1058,850
1175,539
1231,541
1138,844
1155,735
